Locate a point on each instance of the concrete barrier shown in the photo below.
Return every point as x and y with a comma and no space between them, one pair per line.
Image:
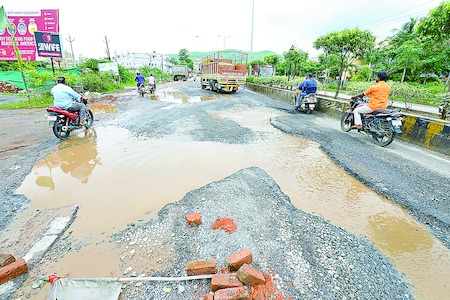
418,129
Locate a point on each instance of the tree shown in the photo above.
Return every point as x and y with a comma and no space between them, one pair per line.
273,60
437,23
184,59
349,45
436,26
295,61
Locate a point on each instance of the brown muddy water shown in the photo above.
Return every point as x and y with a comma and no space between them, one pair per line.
118,179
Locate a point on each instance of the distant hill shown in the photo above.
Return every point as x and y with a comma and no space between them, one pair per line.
255,55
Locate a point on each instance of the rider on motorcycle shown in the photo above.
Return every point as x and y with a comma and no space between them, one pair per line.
152,82
308,86
64,97
378,99
140,79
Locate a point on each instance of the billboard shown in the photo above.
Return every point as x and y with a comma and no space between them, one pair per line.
109,66
48,44
23,25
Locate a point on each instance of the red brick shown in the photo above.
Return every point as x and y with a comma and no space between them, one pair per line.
224,281
250,276
13,270
239,293
209,297
201,267
6,259
194,219
235,261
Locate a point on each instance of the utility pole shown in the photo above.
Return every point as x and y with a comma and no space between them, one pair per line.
224,38
107,48
253,18
70,40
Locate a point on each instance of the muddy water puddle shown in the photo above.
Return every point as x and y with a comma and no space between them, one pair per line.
176,96
99,108
117,179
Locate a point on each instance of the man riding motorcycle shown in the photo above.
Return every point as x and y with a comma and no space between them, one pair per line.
378,99
308,86
139,79
64,97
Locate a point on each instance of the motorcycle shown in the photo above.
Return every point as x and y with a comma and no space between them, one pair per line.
63,121
382,125
307,104
142,89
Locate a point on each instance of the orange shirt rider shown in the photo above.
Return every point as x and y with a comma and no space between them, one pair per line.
378,95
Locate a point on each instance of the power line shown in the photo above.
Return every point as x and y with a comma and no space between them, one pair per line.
397,20
400,12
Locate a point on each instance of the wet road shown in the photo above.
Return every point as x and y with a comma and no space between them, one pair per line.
185,138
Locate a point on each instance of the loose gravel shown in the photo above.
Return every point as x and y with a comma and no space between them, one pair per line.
308,257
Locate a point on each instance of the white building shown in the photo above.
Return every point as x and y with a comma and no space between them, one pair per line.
136,60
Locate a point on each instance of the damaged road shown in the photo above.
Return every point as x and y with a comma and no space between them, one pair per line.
190,150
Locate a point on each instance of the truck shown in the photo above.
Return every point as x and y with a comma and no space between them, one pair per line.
180,72
224,71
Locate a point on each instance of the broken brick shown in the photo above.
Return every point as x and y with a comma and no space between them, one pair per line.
226,224
194,219
224,281
250,276
13,270
239,293
209,297
6,259
235,261
201,267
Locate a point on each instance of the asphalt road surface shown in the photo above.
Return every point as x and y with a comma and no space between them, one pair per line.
309,257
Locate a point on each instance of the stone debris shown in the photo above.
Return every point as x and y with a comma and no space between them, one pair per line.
6,87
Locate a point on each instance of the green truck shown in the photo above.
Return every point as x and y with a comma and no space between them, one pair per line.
180,72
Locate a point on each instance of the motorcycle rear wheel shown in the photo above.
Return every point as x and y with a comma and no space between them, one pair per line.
346,122
385,139
58,130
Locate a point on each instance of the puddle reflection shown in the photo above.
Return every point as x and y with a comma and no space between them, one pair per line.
76,157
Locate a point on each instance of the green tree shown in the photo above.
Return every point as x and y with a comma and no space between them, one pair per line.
184,59
436,27
295,60
273,60
437,23
349,45
329,65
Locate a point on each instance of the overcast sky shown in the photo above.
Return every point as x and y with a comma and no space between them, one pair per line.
167,26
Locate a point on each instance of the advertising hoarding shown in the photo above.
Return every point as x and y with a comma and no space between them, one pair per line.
109,66
23,25
48,44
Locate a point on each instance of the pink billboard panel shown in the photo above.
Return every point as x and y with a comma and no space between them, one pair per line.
23,25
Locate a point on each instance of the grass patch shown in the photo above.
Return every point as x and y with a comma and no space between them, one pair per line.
27,104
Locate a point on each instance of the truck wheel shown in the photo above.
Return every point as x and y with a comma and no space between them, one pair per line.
211,85
175,78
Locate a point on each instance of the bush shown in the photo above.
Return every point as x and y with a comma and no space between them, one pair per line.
103,82
362,75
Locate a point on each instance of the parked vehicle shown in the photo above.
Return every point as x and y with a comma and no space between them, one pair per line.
307,103
382,125
180,72
224,71
63,121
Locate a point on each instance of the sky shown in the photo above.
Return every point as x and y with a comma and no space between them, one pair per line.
207,25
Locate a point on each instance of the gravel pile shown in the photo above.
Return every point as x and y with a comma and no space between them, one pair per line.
308,257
